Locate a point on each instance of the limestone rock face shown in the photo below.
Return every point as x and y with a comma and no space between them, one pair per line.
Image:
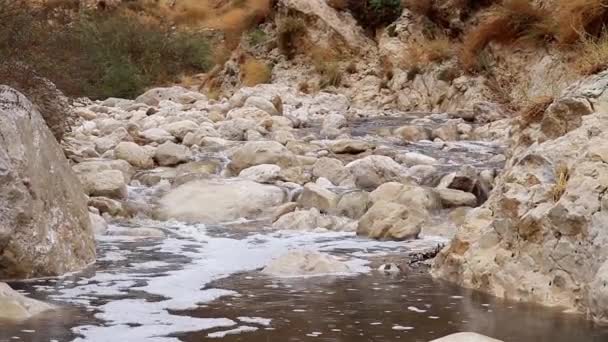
44,222
541,236
16,307
305,263
215,201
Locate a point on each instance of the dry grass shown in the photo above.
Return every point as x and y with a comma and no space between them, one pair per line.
510,22
289,31
593,55
562,175
426,52
577,18
254,72
326,63
534,111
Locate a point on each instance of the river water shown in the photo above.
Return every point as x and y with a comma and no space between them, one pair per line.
203,282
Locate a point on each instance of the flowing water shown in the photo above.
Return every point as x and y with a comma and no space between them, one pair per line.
203,283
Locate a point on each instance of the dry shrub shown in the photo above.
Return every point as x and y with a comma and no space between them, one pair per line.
512,21
578,18
534,111
290,30
372,14
425,52
327,64
593,55
254,72
562,176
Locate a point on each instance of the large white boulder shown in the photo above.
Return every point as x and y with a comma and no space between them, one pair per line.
216,201
134,154
372,171
44,221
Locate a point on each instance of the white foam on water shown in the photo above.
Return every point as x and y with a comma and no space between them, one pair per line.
255,320
400,327
184,286
238,330
415,309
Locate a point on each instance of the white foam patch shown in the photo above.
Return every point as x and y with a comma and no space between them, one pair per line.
401,328
238,330
415,309
255,320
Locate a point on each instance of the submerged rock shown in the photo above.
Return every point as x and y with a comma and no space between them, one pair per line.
16,307
305,263
44,222
466,337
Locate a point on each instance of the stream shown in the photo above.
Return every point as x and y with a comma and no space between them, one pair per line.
202,282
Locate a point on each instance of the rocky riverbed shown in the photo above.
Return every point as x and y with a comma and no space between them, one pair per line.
272,214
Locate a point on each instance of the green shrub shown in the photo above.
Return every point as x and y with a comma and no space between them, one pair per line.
372,14
102,55
290,29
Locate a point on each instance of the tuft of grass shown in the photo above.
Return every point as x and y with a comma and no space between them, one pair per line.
327,64
593,55
507,23
254,72
534,111
580,18
257,37
289,30
562,176
425,52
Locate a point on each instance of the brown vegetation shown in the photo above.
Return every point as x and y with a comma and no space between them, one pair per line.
534,111
577,18
510,22
254,72
425,52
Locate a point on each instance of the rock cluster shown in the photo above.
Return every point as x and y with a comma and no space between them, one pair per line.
541,236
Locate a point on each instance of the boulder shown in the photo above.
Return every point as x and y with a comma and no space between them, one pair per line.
16,307
414,158
176,94
353,204
216,201
250,113
108,183
332,125
350,146
305,263
44,222
157,135
264,173
373,171
169,154
260,152
134,154
198,137
98,165
392,221
106,205
451,198
179,129
330,168
236,129
109,142
413,133
262,104
314,196
447,132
